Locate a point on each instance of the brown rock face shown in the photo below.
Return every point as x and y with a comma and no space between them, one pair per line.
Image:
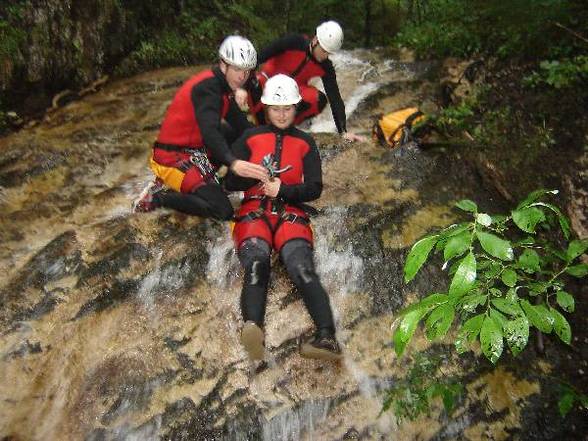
117,326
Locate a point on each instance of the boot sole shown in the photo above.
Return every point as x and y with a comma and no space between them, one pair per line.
309,351
252,340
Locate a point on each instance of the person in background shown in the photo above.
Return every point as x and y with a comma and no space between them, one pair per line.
303,58
272,216
195,135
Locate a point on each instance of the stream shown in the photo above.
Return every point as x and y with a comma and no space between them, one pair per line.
122,326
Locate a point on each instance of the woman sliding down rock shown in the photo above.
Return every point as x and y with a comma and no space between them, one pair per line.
272,217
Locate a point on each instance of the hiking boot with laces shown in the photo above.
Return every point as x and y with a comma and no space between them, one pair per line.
252,340
323,346
146,201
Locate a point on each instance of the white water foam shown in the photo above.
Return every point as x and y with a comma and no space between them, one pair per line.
223,266
159,282
292,424
340,270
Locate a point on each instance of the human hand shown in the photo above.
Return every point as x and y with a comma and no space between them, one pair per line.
271,187
247,169
352,137
241,99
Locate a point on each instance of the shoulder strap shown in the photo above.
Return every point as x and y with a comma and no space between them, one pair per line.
410,120
299,68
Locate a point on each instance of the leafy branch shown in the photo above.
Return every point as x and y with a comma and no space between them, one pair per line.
499,287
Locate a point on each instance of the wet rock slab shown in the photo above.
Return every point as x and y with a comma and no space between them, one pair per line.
116,325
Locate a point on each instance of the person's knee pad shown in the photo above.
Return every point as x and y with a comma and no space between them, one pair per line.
297,257
254,255
257,273
303,273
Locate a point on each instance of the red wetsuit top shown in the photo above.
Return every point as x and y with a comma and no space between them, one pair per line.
291,55
302,183
194,116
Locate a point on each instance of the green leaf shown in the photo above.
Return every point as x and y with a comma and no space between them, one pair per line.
467,205
576,248
468,332
425,304
528,218
561,326
529,240
449,232
464,277
578,270
560,254
456,229
498,317
439,321
457,245
406,329
564,222
511,295
495,246
498,218
491,339
516,333
470,302
495,292
509,277
529,261
566,301
566,403
493,270
533,196
417,256
538,316
508,307
483,219
538,287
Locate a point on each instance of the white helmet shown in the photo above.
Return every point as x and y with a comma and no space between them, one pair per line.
330,36
238,51
280,90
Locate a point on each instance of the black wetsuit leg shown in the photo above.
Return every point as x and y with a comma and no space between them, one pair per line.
254,255
209,200
297,257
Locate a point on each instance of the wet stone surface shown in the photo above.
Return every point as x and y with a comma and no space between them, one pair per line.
116,325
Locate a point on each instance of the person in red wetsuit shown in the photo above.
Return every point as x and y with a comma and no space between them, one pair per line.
193,139
272,216
303,58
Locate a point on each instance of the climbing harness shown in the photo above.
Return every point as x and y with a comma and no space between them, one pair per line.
199,158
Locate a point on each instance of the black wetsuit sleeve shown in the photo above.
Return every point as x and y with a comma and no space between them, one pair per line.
237,118
334,96
207,101
283,44
312,186
240,150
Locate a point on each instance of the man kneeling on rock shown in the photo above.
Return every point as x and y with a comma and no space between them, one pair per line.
194,139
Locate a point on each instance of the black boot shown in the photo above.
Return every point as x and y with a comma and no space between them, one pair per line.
323,346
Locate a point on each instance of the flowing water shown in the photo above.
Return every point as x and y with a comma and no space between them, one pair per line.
121,326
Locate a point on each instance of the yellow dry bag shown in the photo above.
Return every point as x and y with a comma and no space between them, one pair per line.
395,129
